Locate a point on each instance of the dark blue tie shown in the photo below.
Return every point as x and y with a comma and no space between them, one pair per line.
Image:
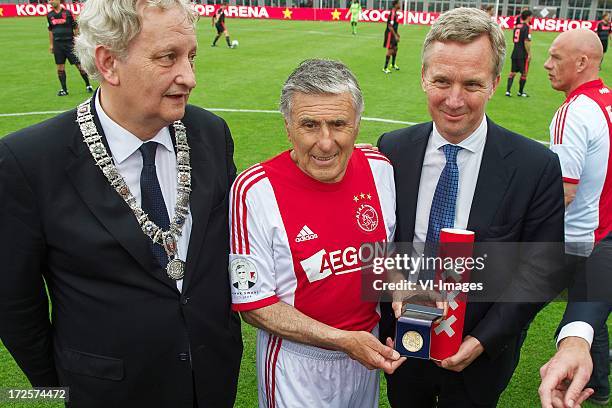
442,214
152,200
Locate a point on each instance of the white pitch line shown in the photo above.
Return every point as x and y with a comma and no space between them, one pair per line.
241,110
5,115
367,119
388,121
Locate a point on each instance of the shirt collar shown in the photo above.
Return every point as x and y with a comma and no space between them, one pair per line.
473,143
123,143
597,83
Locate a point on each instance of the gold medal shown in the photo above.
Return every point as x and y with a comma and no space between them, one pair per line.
412,341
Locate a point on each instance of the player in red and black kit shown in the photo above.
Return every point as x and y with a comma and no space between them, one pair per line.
603,30
391,37
62,29
218,21
520,54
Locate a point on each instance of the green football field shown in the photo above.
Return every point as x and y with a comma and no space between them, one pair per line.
243,86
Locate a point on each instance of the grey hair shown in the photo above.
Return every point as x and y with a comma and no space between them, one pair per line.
113,24
320,77
465,25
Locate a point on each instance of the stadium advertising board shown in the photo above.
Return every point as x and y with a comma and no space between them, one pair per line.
313,14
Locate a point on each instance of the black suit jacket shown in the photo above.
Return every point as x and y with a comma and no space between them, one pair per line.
121,334
518,198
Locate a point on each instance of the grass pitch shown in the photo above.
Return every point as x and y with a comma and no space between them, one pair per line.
250,78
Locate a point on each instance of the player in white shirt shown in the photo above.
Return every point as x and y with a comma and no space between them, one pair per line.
580,134
581,137
297,222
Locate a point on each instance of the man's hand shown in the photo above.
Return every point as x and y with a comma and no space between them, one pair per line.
395,364
397,308
366,349
469,350
51,49
565,375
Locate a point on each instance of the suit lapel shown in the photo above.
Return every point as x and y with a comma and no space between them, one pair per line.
200,200
408,168
108,207
494,177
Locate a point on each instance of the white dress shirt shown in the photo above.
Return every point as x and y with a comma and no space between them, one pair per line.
468,163
128,160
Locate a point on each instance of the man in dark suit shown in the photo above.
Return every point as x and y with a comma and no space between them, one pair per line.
118,210
481,177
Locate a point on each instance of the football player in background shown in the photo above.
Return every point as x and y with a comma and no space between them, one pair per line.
218,21
520,54
392,37
62,30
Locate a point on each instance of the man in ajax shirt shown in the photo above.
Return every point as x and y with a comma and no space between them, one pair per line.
297,222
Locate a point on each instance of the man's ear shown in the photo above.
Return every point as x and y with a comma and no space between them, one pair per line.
287,130
357,131
106,62
423,78
581,63
495,84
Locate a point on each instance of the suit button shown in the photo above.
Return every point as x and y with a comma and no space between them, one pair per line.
183,356
184,300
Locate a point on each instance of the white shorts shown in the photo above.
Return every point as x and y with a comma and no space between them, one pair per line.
296,375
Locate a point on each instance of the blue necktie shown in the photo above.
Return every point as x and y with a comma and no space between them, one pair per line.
152,200
442,214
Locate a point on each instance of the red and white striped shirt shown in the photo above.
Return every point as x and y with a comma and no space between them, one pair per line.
296,240
580,134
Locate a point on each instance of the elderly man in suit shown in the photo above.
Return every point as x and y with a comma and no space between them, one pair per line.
116,213
477,176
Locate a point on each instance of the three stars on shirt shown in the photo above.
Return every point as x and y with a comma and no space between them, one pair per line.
362,196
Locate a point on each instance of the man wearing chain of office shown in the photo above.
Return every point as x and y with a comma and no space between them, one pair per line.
115,215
